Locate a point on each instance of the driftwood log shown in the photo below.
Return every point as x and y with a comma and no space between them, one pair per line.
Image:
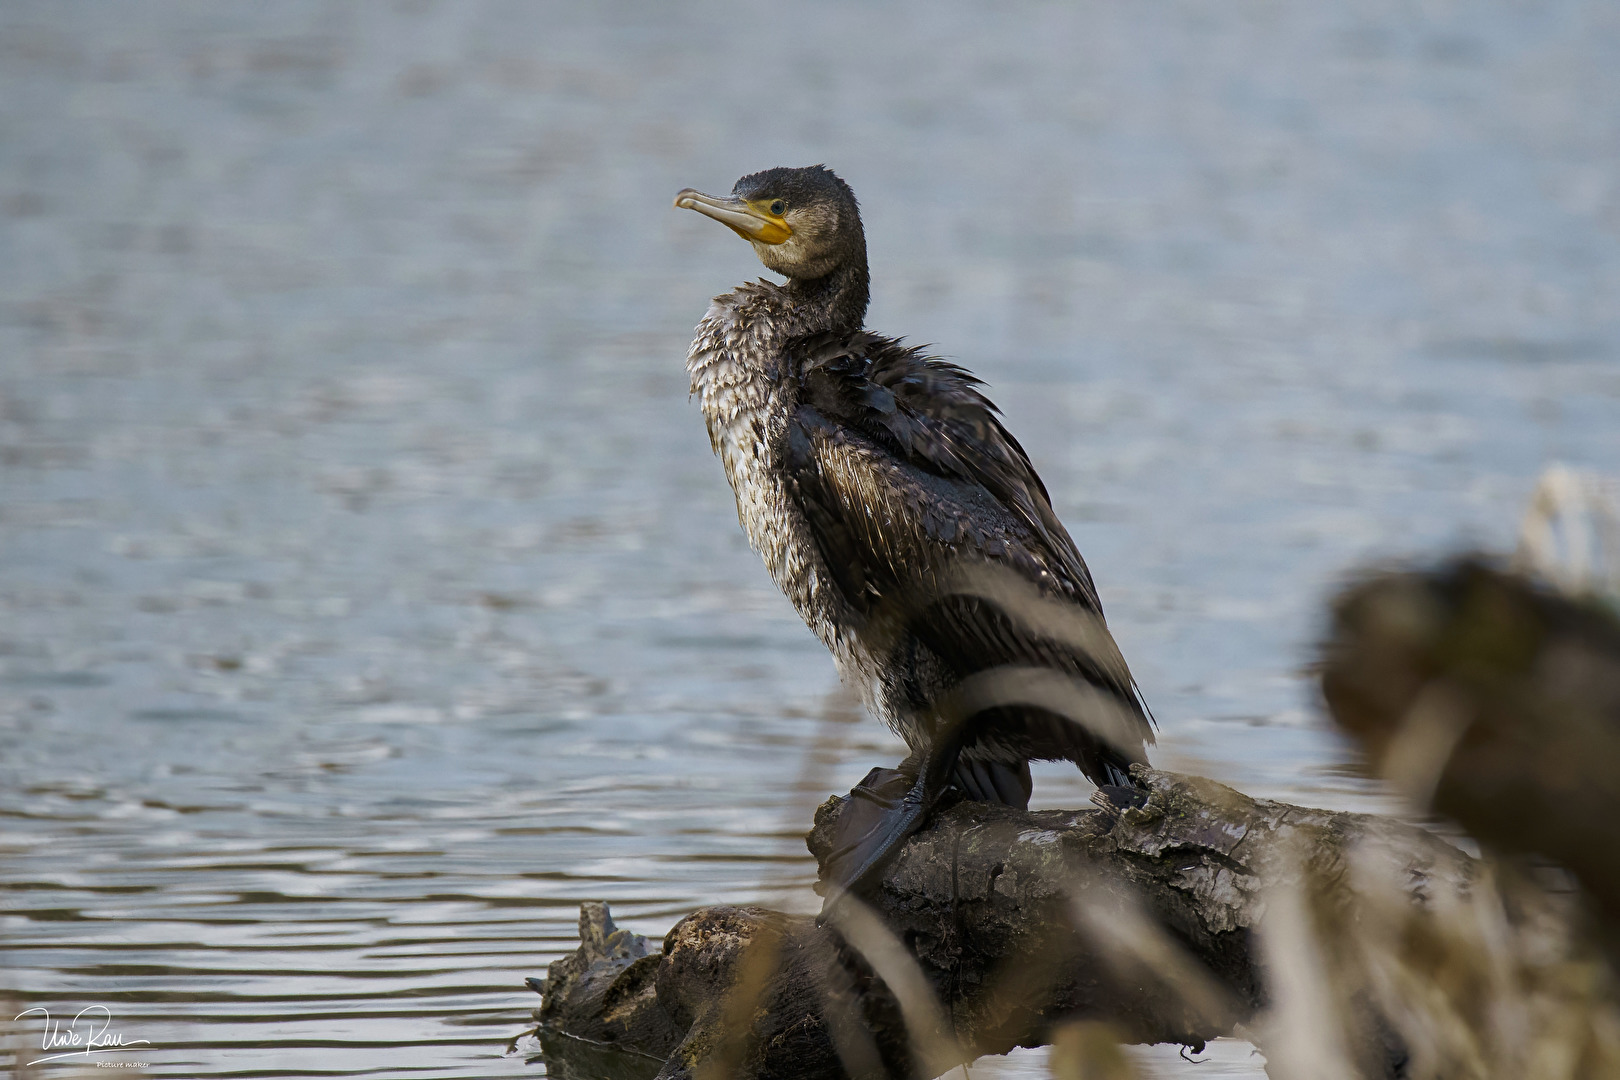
1016,923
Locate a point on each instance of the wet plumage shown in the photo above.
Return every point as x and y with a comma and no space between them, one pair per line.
902,520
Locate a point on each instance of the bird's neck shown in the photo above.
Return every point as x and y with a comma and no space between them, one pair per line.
839,298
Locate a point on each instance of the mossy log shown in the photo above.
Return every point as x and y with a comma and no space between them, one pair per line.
1141,916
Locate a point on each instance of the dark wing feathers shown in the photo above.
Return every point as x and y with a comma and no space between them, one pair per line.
930,414
905,475
885,526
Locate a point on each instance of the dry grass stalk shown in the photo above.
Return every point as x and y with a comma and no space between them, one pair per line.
1570,532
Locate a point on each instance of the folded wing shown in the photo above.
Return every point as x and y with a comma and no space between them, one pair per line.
937,530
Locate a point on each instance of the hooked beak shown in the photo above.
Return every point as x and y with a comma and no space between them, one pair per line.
740,216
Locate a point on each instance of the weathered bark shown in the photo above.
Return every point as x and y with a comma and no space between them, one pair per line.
1143,917
1496,702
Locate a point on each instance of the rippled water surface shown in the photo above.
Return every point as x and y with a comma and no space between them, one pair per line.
368,593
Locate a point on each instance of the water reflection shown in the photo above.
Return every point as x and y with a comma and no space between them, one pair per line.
371,596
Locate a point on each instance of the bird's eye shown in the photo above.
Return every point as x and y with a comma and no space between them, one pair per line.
778,207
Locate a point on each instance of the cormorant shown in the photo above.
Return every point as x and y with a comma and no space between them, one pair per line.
904,522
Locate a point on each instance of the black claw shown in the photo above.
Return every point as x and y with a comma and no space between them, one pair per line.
1124,798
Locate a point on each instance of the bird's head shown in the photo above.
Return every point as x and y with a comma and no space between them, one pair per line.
803,223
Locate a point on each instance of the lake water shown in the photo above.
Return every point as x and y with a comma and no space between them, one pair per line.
369,596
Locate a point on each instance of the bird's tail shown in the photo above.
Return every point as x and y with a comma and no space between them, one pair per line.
1007,783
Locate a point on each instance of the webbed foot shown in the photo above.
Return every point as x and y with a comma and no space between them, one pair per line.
881,812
